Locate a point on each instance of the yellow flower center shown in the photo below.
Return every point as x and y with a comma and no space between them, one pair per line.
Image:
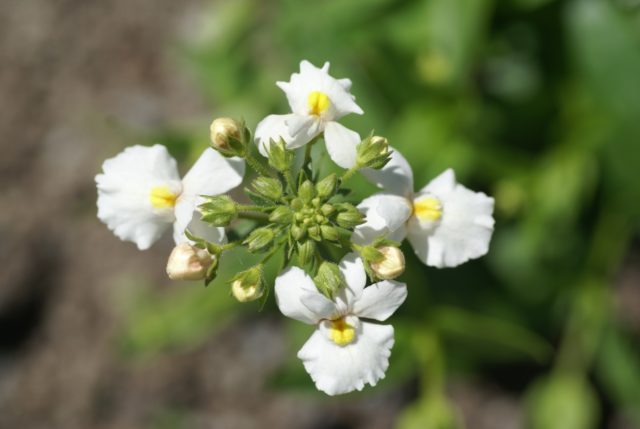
341,332
427,208
318,102
161,197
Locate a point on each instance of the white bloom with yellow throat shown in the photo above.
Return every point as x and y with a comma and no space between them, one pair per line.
446,223
317,101
345,352
140,193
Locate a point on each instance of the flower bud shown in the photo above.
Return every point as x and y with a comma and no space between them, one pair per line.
259,239
218,210
327,187
306,191
279,157
268,188
329,279
298,232
314,232
306,252
329,233
327,209
373,152
227,137
248,285
349,217
391,265
187,262
282,215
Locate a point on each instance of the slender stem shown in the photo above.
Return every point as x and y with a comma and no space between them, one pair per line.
288,177
253,208
350,172
228,246
257,165
260,217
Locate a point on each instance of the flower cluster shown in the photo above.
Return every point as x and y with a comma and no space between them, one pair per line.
328,244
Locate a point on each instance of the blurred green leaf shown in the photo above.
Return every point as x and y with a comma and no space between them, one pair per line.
562,401
430,412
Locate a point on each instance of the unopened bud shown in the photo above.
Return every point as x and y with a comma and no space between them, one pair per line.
329,233
227,137
327,187
218,210
327,209
187,262
259,239
329,279
298,232
306,191
279,157
306,252
391,265
373,152
314,232
282,215
349,217
268,188
248,285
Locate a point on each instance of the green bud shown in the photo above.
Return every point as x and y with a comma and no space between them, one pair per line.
282,215
306,191
329,279
371,254
280,157
306,252
314,232
298,232
248,285
327,187
373,152
268,187
259,238
329,233
350,217
327,209
229,137
297,204
316,202
218,210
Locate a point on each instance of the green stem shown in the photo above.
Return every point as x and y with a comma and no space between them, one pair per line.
350,172
229,246
257,165
288,177
254,208
260,217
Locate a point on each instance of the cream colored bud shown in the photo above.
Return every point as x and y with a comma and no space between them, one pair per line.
187,262
392,264
221,130
246,292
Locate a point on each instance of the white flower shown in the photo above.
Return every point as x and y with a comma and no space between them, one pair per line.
446,223
344,353
140,193
317,101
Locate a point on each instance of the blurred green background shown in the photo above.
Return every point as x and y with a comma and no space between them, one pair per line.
535,102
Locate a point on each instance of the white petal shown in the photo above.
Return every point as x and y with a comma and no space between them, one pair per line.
187,218
342,369
464,231
380,300
385,216
274,127
352,268
442,184
341,144
396,177
292,287
312,79
303,128
212,174
124,191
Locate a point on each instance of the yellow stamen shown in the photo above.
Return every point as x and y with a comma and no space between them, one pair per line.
341,332
161,197
427,208
318,102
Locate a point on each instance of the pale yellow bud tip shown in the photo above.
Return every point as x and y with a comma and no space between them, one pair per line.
187,262
245,293
392,264
221,130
